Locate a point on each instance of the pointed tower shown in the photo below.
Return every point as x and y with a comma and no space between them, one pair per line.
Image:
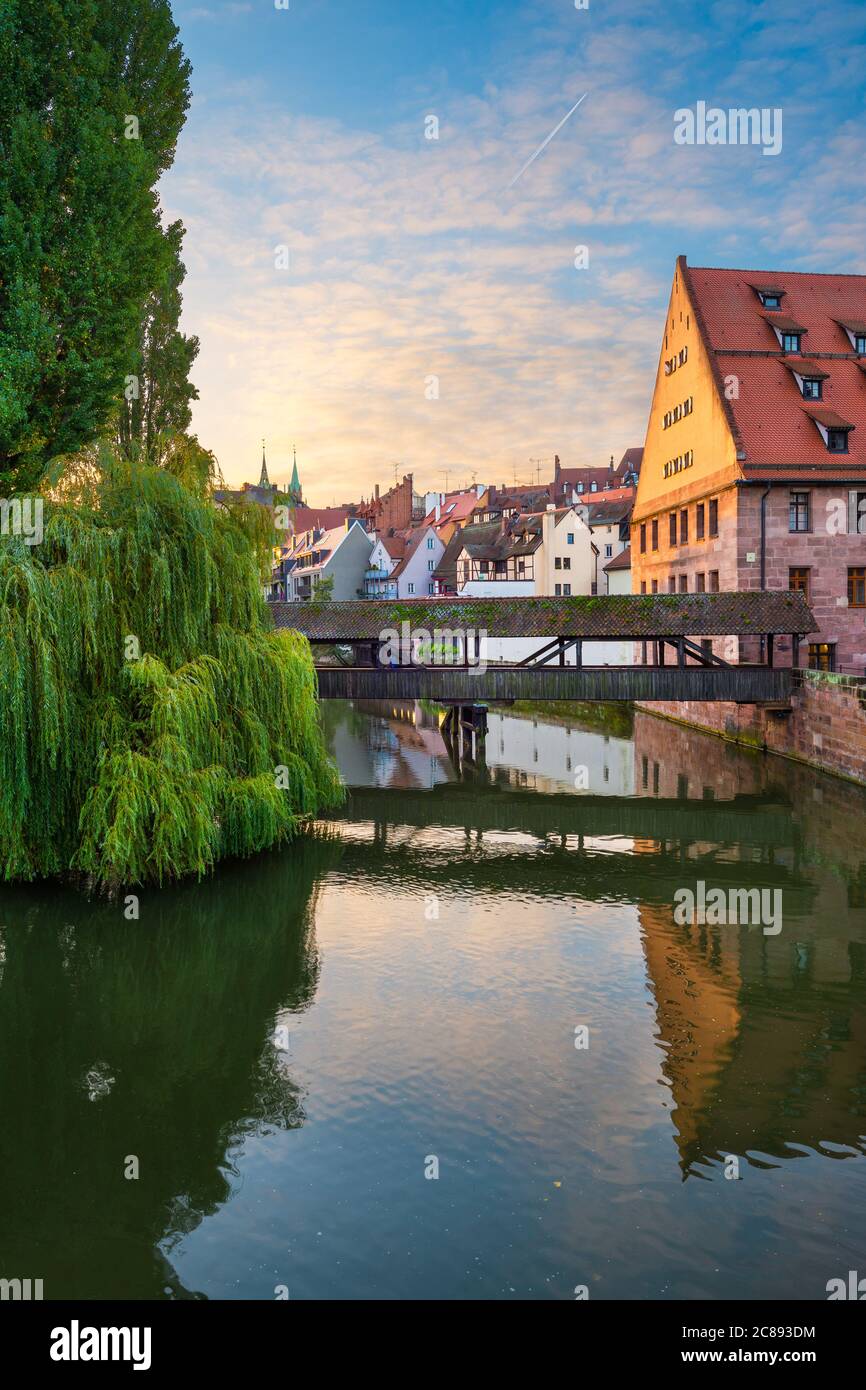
295,484
264,480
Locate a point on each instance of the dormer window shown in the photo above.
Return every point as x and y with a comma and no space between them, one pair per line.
791,342
837,441
812,388
833,429
770,296
856,331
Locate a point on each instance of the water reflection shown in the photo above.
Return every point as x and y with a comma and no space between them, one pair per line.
428,963
762,1038
154,1039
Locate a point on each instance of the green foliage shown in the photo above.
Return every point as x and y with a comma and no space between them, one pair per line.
323,592
146,704
81,241
155,409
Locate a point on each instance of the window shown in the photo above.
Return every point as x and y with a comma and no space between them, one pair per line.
714,516
673,524
799,581
771,301
429,542
643,538
822,656
655,534
608,552
812,388
714,581
431,588
566,590
684,527
431,565
566,564
557,564
593,487
580,487
557,589
655,586
860,344
857,587
570,538
643,586
857,513
837,441
700,583
672,584
410,588
791,342
700,512
798,513
684,583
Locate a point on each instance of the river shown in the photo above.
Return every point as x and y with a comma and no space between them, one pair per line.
455,1044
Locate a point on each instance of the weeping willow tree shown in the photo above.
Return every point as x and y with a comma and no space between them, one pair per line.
152,721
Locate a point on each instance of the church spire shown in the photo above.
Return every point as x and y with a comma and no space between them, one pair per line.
264,480
295,484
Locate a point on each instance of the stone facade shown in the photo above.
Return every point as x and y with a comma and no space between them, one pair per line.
826,728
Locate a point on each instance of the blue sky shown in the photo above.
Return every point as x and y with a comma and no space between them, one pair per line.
411,259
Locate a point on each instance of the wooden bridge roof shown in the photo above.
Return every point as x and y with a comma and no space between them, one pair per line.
609,618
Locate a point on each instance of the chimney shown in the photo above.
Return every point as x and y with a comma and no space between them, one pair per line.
377,492
556,465
437,511
548,522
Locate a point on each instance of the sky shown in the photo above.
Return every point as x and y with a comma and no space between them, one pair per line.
387,302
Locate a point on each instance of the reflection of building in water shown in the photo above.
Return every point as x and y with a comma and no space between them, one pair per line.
764,1036
549,756
384,743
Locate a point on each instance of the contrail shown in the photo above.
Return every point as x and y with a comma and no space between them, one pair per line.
544,145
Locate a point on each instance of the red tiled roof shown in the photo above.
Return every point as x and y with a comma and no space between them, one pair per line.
395,546
828,418
783,322
805,366
771,430
456,507
611,494
306,518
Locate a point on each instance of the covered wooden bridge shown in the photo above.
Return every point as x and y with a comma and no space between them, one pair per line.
435,648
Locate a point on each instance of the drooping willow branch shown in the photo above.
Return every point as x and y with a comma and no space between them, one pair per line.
145,704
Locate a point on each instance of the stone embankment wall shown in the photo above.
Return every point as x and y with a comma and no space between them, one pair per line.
826,728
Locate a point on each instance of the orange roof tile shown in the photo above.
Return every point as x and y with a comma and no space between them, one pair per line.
773,434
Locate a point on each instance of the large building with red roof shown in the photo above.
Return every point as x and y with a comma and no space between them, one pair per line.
752,474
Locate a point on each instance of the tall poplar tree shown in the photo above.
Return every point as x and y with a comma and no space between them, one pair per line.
93,95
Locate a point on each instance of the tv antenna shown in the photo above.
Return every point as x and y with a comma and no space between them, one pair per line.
538,463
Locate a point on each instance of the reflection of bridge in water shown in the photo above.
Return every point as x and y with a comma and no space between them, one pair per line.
763,1040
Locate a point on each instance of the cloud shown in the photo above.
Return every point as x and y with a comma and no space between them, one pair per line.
410,258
